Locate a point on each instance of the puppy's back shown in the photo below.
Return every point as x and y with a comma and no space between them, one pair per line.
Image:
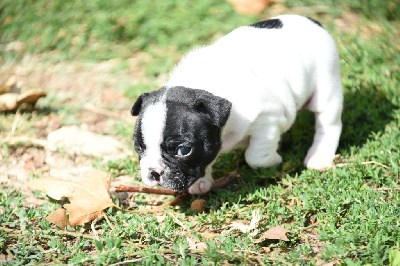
278,57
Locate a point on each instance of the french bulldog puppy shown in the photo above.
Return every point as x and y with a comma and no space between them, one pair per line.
242,91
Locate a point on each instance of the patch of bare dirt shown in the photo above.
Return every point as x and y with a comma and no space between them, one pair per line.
94,93
351,23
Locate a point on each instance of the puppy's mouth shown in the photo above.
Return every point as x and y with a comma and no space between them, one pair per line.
176,182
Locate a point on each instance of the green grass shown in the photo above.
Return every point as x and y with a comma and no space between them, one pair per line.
99,30
349,214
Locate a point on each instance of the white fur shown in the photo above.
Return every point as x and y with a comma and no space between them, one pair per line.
203,184
153,123
268,75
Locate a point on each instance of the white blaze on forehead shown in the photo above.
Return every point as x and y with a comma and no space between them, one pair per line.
153,123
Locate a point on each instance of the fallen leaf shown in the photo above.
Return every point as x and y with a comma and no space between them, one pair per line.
11,100
87,198
59,218
191,243
276,232
249,7
209,235
198,205
201,246
8,19
30,97
266,249
36,165
8,101
244,228
161,218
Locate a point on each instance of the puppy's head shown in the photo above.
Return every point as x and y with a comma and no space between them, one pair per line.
178,134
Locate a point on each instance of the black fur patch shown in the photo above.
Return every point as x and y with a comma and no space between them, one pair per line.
194,118
268,24
316,22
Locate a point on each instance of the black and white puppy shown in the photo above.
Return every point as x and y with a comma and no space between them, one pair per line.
242,91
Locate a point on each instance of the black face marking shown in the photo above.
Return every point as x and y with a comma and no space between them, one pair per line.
146,99
268,24
192,132
195,119
140,147
316,22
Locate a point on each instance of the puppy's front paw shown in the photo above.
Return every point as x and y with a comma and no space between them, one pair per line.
201,186
256,161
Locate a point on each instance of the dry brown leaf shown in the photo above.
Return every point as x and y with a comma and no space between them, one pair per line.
11,97
266,249
249,7
276,232
8,101
30,97
209,235
87,198
198,205
244,227
11,100
201,246
161,218
36,165
192,243
59,218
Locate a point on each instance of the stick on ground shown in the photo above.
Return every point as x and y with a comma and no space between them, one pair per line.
179,194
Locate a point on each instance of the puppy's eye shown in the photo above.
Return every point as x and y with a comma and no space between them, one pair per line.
183,151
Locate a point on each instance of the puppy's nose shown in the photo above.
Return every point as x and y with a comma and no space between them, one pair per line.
156,174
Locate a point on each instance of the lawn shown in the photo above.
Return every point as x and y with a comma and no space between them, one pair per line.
93,58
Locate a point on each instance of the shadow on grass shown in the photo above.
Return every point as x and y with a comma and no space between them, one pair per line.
364,113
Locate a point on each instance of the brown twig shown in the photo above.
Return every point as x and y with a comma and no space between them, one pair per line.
218,183
225,180
122,188
179,194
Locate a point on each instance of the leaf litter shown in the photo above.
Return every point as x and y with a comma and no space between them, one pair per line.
11,96
274,233
88,198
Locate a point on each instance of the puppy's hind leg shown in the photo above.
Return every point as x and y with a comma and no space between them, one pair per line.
327,104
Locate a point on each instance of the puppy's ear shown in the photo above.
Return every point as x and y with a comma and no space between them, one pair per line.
137,106
216,108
